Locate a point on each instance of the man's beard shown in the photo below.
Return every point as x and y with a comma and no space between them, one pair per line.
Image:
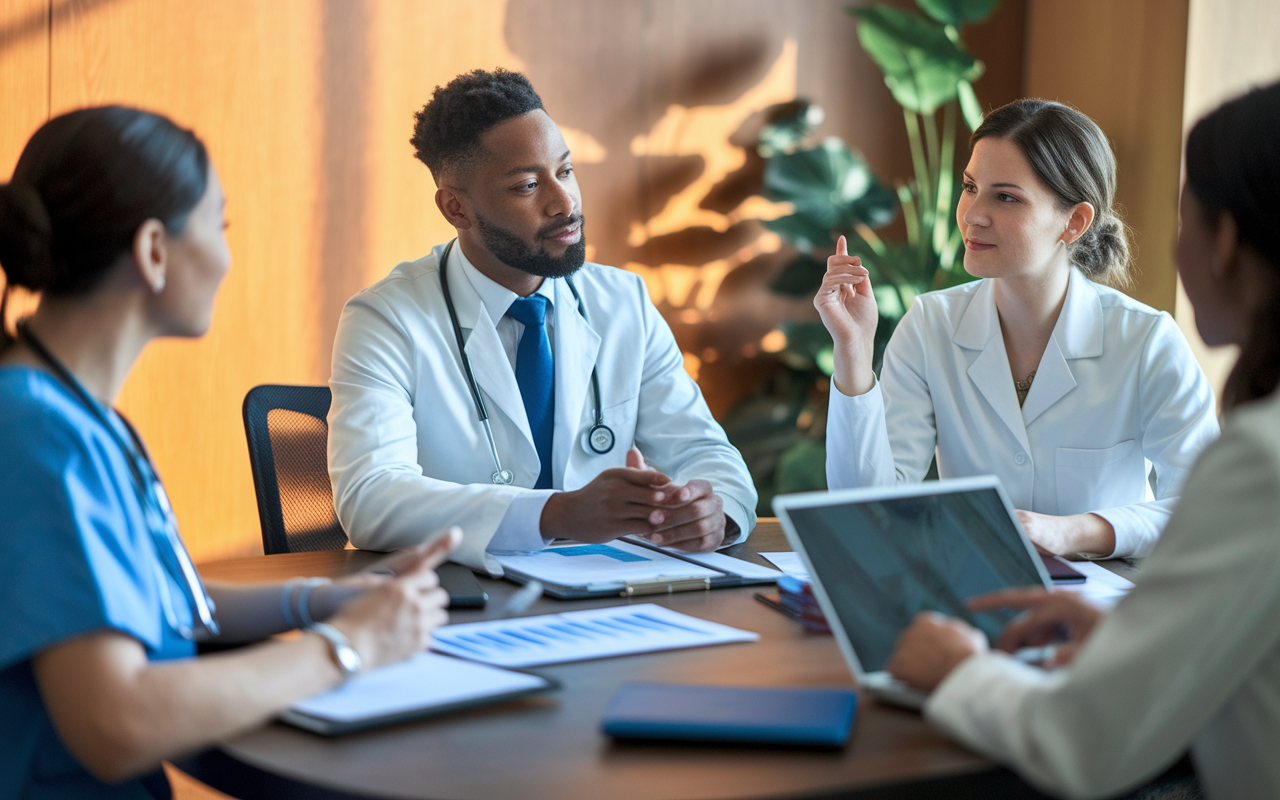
511,250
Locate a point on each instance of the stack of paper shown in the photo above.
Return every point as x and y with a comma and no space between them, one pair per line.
581,635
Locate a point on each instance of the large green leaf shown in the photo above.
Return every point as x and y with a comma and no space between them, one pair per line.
830,185
970,106
803,231
958,12
803,468
922,66
801,277
876,208
787,132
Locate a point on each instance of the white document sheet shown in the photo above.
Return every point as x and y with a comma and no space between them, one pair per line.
1102,586
601,566
724,563
423,681
582,635
789,563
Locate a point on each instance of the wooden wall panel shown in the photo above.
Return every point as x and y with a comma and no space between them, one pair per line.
1122,64
244,75
1233,45
24,75
24,95
669,91
307,107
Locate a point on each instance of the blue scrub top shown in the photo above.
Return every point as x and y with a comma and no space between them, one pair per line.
75,556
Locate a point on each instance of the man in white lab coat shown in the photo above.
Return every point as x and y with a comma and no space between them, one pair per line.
408,451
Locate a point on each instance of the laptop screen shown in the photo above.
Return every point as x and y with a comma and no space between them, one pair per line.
882,561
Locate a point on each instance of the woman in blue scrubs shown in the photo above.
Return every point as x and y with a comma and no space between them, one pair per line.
116,217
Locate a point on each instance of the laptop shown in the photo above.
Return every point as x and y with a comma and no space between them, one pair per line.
878,556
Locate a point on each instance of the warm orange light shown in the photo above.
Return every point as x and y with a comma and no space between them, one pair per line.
775,341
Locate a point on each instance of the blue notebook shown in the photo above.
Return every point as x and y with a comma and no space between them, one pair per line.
758,715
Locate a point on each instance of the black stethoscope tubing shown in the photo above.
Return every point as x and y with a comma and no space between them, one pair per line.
148,491
600,438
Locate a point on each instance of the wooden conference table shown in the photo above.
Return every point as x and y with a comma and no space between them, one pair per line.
550,746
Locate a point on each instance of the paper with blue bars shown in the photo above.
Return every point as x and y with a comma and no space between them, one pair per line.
582,635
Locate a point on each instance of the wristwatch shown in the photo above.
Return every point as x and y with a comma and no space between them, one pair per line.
343,653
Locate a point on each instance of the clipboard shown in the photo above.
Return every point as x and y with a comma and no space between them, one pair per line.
629,567
426,685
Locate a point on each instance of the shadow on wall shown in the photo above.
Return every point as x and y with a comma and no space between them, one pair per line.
672,94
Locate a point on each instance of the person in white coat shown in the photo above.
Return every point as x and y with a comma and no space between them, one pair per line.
574,394
1068,390
1191,658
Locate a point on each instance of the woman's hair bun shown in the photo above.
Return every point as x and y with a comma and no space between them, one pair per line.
1102,252
26,236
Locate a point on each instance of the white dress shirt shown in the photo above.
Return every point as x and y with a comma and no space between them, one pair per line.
1191,657
408,455
520,529
1116,393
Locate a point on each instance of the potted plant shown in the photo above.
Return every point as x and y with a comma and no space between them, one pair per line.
833,193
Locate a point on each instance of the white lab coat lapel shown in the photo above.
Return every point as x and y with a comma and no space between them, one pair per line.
979,329
489,364
576,348
1077,334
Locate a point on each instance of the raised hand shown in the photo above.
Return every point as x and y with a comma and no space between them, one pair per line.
848,310
395,619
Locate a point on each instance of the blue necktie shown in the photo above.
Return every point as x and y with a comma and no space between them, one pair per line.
536,377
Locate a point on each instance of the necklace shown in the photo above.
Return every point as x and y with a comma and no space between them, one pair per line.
1022,387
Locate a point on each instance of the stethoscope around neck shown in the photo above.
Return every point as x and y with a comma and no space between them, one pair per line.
599,439
161,523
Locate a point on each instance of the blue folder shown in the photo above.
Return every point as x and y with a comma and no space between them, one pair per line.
757,715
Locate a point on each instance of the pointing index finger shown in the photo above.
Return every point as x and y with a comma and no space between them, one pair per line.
1008,598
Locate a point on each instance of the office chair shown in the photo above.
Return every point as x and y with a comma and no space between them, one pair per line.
288,437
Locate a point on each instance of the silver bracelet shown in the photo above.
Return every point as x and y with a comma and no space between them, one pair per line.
344,654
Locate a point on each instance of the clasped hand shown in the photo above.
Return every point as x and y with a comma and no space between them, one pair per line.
638,500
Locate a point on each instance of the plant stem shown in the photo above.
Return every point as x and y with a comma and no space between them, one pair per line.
918,161
870,237
908,202
946,179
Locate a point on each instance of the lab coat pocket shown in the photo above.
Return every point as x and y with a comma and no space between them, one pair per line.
1092,480
621,418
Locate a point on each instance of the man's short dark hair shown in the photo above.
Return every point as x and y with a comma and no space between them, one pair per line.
447,131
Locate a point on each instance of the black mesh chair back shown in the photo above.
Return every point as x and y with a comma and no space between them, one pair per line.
288,436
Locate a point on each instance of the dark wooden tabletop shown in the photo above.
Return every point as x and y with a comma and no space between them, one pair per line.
551,746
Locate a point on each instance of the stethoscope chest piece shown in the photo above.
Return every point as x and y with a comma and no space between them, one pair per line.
600,439
503,477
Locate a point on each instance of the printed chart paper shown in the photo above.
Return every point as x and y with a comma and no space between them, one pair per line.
582,635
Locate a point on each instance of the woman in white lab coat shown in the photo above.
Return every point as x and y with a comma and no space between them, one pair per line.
1040,373
1191,658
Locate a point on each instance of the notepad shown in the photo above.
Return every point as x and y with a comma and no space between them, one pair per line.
582,635
425,685
761,715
